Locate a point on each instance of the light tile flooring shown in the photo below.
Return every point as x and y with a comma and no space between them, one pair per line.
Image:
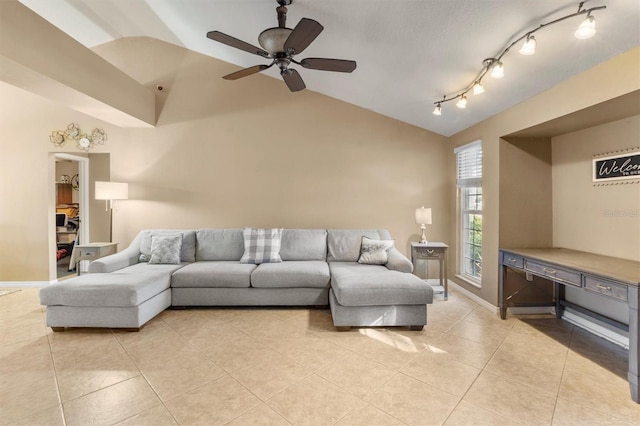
289,366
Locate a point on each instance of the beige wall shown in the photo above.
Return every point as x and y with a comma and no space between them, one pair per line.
611,79
225,154
599,219
525,192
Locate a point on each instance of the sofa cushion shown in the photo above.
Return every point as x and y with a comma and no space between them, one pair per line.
261,245
375,252
125,288
304,244
291,274
365,285
165,249
187,252
219,244
214,274
344,244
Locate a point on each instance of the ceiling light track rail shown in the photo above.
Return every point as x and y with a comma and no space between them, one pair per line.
495,66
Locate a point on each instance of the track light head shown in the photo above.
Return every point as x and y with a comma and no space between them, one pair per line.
587,28
462,102
529,46
497,70
438,109
477,88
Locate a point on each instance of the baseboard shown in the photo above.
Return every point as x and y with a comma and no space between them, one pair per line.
35,284
480,301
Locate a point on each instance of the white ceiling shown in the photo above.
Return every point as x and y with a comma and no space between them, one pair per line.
409,52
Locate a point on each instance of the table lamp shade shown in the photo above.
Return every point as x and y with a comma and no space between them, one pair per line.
423,216
112,191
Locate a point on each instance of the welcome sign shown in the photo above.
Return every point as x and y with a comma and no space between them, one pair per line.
617,167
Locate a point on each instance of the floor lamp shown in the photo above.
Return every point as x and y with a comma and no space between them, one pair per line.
111,191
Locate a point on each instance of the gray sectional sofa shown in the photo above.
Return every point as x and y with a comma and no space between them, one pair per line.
319,268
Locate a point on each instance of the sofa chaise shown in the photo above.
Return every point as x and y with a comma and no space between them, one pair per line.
311,267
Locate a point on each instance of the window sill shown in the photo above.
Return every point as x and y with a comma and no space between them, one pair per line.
471,281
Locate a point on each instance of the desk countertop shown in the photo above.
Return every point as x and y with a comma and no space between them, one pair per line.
625,270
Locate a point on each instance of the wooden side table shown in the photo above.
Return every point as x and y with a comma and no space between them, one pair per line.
93,251
432,251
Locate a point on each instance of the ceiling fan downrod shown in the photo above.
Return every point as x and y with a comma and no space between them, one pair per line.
282,12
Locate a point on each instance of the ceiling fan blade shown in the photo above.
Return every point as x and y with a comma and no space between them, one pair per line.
293,80
234,42
302,35
246,72
324,64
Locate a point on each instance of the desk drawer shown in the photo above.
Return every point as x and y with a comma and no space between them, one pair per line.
429,253
605,287
553,272
89,253
512,260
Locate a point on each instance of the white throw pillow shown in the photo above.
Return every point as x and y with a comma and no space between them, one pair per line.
261,246
165,249
375,252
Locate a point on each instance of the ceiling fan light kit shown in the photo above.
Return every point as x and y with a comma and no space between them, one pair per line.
281,44
495,67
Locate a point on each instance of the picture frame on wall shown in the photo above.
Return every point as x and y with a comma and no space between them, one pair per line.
618,167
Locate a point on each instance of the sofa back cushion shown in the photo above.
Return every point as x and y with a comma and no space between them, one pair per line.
303,244
219,244
187,251
344,244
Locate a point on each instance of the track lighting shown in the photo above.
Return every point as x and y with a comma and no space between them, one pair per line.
529,46
587,28
495,67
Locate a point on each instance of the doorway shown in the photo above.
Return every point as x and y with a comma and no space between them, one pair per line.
71,207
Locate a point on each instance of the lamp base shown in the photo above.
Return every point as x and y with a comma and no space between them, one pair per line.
423,237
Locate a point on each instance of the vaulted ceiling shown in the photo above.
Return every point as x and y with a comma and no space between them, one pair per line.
410,53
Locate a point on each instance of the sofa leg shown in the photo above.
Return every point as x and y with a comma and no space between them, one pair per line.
416,327
343,327
57,329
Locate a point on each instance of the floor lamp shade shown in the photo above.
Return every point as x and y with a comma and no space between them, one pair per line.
110,191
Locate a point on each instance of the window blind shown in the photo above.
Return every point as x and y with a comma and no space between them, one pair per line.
469,158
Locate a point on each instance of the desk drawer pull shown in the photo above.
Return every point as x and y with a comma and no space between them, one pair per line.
604,287
512,260
550,271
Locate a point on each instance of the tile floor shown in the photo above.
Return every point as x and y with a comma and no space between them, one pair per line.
289,366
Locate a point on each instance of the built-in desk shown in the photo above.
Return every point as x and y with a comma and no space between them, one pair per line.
608,277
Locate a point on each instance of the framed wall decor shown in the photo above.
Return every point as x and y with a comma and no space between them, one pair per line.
621,166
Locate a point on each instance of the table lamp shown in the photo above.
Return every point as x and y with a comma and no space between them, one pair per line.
423,217
110,191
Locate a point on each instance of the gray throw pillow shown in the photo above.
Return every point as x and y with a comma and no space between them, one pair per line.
374,252
165,249
261,246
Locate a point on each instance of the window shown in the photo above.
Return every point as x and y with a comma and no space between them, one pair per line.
469,183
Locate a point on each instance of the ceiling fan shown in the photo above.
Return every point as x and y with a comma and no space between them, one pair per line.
281,44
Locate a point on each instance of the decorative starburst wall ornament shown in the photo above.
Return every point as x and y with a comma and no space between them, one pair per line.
83,141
